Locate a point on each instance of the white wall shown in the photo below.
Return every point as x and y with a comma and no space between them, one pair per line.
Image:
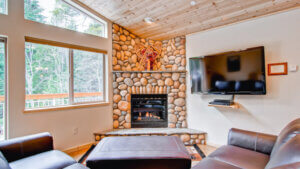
59,123
280,34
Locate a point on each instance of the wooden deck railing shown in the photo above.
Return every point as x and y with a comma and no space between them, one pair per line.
60,95
50,100
44,100
56,96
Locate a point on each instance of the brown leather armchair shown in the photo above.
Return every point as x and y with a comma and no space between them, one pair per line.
34,152
253,150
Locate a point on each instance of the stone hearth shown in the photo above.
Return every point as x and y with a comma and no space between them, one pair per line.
188,136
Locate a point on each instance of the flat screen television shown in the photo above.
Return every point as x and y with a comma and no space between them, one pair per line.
238,72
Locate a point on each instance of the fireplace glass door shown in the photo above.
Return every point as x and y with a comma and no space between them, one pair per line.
149,110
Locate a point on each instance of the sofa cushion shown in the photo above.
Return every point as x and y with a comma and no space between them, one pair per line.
254,141
47,160
209,163
288,153
290,131
240,157
3,162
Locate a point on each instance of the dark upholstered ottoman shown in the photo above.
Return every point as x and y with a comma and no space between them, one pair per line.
140,152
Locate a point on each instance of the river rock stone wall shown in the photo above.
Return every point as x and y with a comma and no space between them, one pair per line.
172,84
170,78
172,57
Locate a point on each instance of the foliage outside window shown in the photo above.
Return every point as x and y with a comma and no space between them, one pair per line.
61,14
88,76
3,7
2,89
49,80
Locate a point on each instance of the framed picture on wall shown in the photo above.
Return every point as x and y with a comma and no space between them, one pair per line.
278,69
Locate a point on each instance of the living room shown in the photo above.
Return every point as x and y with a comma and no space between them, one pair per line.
140,84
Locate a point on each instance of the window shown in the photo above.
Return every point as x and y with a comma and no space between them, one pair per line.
2,88
88,76
47,76
58,76
62,14
3,7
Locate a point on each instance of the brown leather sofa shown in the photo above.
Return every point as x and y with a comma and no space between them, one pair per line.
34,152
252,150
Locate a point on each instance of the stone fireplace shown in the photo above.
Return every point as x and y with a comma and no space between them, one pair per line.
129,82
130,85
149,110
144,100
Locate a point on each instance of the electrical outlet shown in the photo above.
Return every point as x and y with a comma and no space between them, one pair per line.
75,131
293,68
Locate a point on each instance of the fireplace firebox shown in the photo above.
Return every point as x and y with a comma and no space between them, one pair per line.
149,110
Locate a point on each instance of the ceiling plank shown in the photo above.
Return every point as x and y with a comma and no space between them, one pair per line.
239,18
178,17
202,18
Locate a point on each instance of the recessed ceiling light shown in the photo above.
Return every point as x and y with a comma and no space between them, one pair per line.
193,3
148,20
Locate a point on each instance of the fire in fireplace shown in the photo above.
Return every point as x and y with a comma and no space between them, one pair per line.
149,110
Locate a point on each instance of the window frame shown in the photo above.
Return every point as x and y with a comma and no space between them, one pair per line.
5,114
6,8
72,104
84,11
80,8
71,82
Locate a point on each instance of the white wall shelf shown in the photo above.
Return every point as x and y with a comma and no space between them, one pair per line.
233,106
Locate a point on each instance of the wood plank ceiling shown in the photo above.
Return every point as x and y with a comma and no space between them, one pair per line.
179,17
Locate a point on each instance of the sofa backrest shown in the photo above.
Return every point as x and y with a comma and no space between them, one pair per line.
21,147
287,147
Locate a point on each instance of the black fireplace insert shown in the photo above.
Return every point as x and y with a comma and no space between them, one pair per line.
149,110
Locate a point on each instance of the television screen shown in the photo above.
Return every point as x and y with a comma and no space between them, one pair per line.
241,72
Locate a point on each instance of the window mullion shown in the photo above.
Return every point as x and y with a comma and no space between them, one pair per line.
5,113
71,78
104,76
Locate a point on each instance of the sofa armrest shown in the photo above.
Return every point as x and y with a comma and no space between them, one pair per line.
21,147
254,141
